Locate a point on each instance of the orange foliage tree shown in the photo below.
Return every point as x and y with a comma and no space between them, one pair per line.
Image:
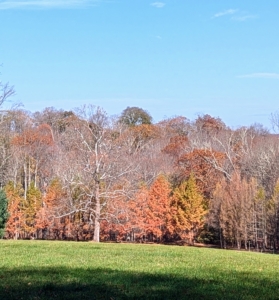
146,216
138,207
177,146
205,165
210,124
15,221
157,218
47,218
125,217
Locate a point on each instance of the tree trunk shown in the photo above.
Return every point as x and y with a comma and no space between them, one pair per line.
192,237
96,237
25,179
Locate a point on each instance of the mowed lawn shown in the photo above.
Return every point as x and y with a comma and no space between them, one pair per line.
69,270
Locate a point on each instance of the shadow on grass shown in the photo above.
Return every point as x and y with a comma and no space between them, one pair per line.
82,283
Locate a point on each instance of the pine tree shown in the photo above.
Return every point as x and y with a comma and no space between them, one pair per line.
190,209
4,215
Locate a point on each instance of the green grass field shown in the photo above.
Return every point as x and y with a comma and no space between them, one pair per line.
69,270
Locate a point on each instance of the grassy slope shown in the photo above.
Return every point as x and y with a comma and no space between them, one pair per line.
68,270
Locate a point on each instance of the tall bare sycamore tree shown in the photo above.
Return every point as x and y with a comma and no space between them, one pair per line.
94,163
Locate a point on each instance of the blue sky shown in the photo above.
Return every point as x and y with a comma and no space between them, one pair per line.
172,57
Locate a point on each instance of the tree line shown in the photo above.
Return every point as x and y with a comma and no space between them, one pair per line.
84,175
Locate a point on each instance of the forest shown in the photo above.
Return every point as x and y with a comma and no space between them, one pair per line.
84,175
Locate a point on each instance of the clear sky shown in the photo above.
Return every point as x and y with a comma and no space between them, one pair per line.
170,57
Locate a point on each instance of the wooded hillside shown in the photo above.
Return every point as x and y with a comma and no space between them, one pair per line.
83,175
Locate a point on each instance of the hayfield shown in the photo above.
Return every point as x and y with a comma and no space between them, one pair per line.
69,270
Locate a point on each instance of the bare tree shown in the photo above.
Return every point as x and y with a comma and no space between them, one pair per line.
6,91
232,210
95,163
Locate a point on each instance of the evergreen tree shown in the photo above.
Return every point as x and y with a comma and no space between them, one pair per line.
4,215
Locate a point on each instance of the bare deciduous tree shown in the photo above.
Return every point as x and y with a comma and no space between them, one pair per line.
95,163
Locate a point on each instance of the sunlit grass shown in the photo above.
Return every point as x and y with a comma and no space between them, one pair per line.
69,270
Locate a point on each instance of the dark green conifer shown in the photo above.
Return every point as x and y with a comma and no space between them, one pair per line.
4,215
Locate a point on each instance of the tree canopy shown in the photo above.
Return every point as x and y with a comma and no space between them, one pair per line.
133,116
87,176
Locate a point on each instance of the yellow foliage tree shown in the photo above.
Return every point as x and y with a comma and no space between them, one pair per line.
189,207
31,206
